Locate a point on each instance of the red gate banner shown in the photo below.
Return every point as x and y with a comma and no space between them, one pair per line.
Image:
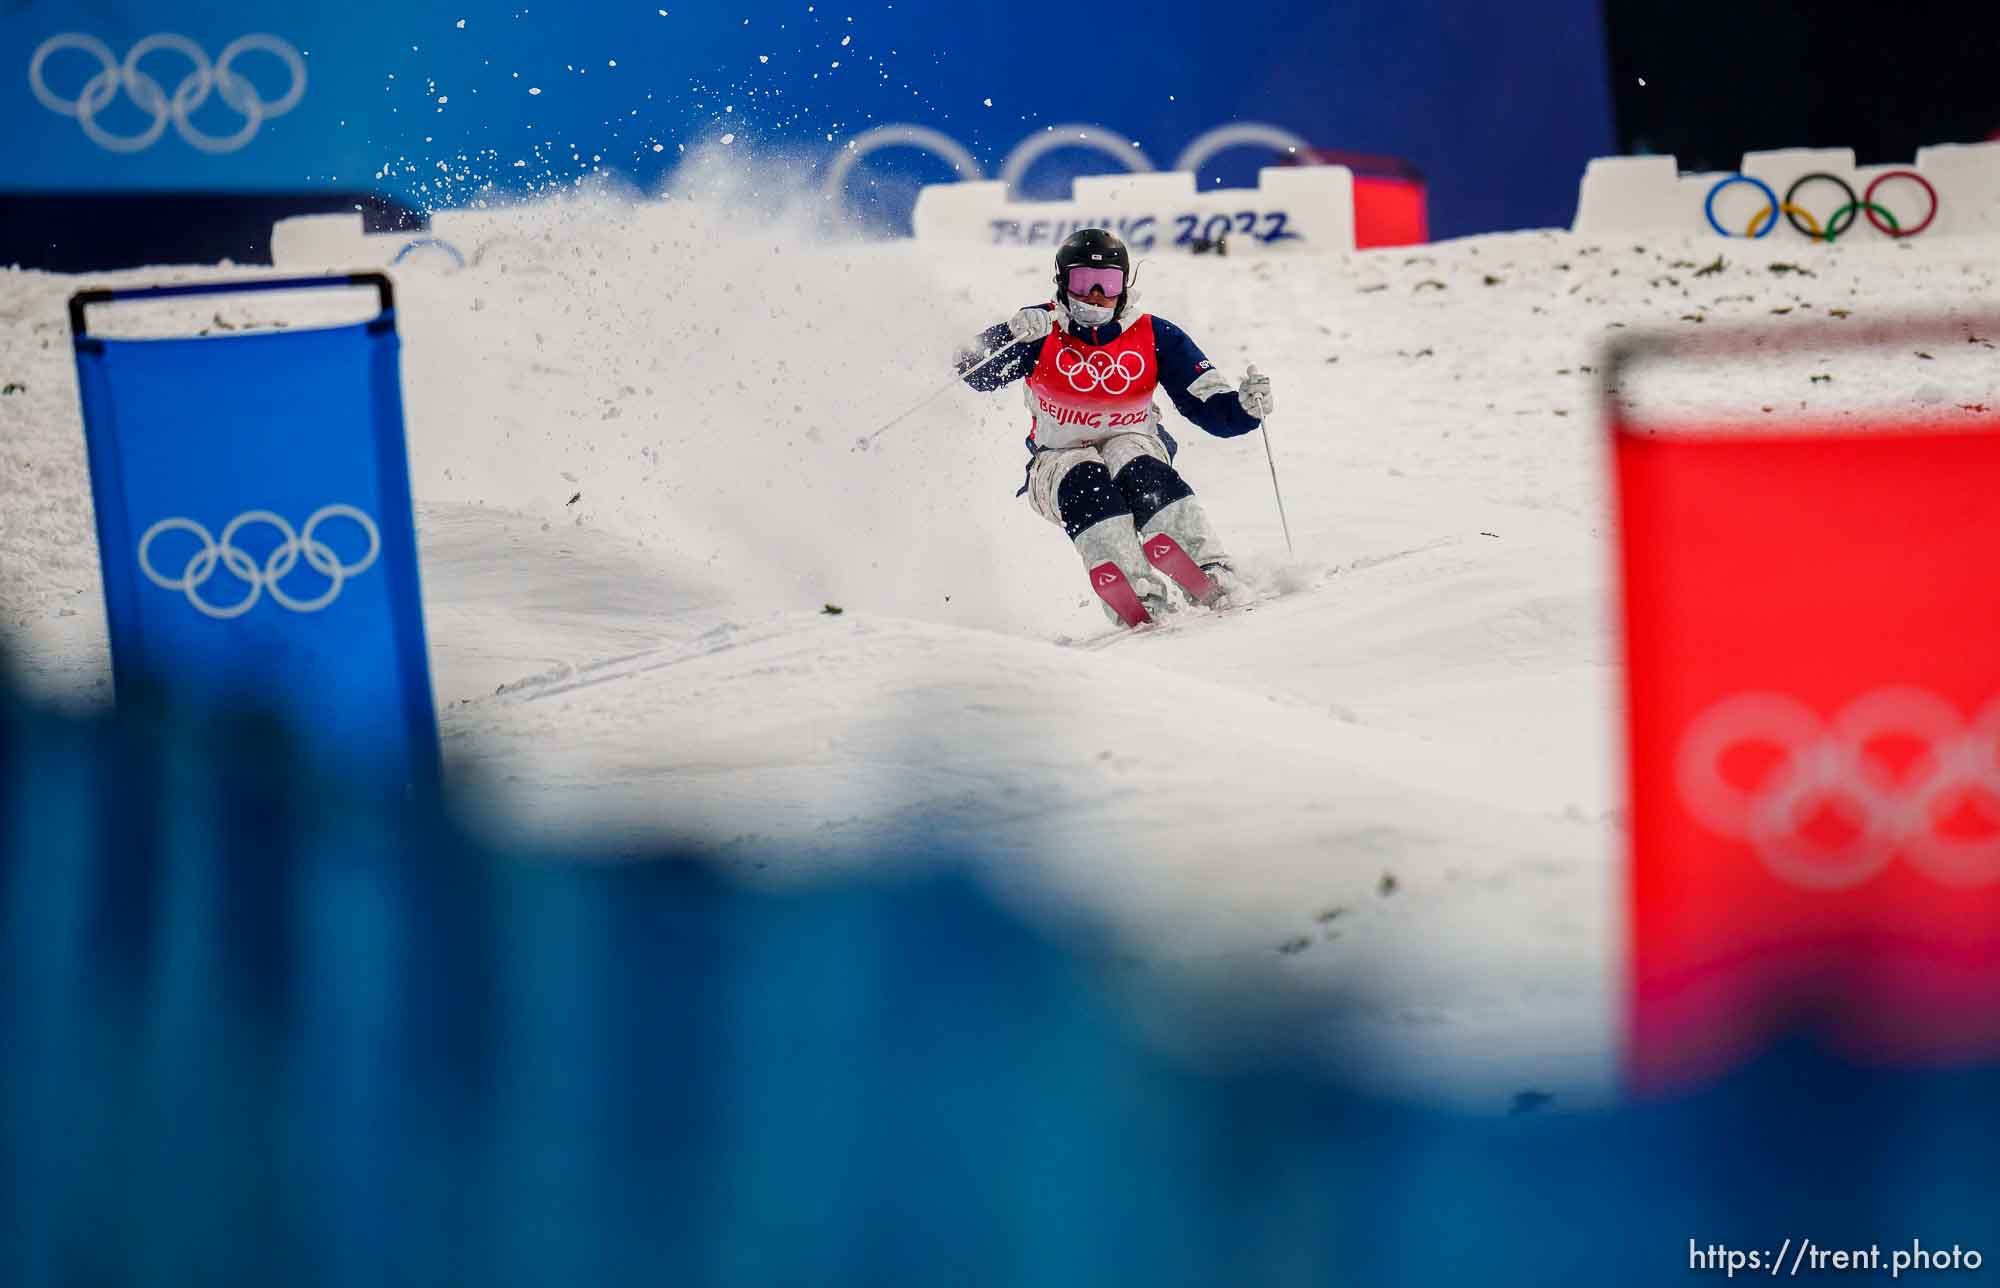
1812,638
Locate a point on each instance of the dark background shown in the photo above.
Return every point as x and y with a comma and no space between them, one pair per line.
1725,78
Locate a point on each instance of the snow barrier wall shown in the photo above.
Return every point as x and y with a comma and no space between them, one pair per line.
341,240
1292,209
1650,194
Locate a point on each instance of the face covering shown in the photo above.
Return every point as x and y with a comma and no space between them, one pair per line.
1086,314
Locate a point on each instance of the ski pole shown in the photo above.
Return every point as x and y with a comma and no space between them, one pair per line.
1266,436
861,444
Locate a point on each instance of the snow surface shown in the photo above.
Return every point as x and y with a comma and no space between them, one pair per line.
1393,783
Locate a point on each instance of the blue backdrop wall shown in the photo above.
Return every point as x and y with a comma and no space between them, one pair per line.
430,102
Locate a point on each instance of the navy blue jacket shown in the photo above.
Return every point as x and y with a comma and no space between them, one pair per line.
1185,373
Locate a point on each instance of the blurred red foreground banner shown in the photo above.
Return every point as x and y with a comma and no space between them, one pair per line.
1812,635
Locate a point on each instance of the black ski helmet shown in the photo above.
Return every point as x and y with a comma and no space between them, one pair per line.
1096,248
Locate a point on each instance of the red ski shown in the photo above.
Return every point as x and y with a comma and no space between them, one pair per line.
1113,589
1164,553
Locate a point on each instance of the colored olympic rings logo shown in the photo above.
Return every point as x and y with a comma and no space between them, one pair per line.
192,91
282,559
1100,370
1838,222
1844,769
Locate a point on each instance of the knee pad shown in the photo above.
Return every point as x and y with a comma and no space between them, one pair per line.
1087,496
1149,485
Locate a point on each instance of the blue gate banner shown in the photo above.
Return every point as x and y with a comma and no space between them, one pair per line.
435,104
255,527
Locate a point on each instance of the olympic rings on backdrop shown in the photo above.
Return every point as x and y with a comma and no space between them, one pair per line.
427,243
283,558
203,77
1894,229
1096,138
1837,766
1833,227
1793,213
1806,222
1921,182
1708,206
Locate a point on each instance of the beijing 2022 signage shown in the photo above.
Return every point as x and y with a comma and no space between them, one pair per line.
433,104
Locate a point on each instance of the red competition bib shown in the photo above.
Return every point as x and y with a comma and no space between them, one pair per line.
1082,394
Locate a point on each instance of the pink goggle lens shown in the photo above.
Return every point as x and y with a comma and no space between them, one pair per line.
1081,278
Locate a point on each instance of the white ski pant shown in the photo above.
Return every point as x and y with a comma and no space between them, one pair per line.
1110,497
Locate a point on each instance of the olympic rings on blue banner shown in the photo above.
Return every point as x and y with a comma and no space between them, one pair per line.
1765,188
1843,217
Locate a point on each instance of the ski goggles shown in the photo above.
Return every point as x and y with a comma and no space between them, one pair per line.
1082,277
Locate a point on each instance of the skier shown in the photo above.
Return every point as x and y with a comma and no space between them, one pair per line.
1100,463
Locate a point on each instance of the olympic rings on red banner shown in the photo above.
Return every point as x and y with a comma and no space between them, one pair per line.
1807,223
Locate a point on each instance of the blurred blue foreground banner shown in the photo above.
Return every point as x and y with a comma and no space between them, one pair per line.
260,1032
435,104
254,524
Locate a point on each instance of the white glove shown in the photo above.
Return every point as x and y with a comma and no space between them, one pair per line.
1031,323
1255,393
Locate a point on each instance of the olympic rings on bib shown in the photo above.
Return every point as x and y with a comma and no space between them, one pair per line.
1837,767
1100,371
1843,216
283,558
